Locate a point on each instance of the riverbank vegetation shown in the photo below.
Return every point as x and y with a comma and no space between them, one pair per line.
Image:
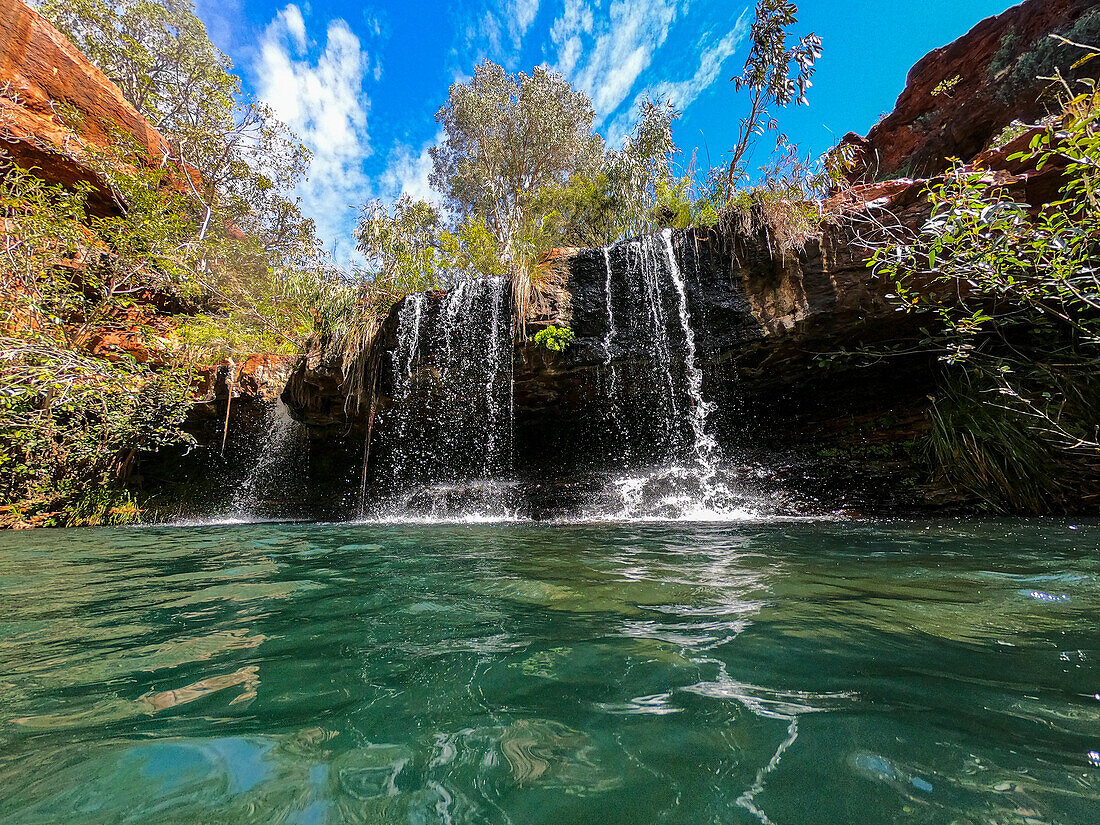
1012,289
204,256
521,171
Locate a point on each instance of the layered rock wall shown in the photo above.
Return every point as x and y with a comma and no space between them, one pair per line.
57,108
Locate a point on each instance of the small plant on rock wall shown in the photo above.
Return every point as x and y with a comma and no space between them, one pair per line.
946,87
555,339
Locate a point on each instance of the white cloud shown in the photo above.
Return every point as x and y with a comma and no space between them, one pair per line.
566,33
520,14
496,32
682,93
407,173
606,57
292,21
323,102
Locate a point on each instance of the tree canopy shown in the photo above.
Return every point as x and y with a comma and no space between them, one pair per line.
506,136
159,55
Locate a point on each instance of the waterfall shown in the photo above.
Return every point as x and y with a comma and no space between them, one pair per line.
446,433
275,464
443,443
660,384
706,448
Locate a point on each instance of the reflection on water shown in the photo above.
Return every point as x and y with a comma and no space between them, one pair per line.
755,673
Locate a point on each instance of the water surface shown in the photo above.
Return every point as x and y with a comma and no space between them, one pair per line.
792,672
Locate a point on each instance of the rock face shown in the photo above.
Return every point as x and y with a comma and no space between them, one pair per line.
959,97
56,107
760,321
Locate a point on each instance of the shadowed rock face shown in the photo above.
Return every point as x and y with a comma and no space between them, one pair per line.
758,322
620,394
991,78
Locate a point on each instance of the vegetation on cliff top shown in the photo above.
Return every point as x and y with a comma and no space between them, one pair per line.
522,171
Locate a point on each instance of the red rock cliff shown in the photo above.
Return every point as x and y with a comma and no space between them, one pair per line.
41,70
958,97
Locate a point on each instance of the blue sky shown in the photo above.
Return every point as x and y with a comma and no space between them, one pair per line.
361,82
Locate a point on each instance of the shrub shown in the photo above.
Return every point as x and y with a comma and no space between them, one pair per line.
555,339
1015,292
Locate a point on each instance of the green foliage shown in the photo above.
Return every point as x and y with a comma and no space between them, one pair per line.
635,190
644,169
776,74
1006,52
1016,293
522,172
158,53
70,423
471,249
401,245
784,205
1046,57
555,339
506,137
1009,133
206,231
984,447
947,86
984,261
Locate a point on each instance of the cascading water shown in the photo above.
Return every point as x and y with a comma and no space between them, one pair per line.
446,435
443,445
276,462
664,389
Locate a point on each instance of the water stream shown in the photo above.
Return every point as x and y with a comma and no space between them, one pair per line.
280,446
683,477
442,446
445,439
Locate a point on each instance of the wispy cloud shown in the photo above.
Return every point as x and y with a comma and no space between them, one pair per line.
408,171
712,56
605,56
318,92
495,30
520,14
567,33
682,93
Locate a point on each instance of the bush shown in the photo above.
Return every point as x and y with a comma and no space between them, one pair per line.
555,339
1015,292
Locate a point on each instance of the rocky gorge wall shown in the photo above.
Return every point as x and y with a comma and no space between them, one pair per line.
60,116
814,431
761,325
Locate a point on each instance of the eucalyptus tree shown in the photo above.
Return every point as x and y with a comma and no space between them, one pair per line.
159,55
400,244
643,170
776,73
508,136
